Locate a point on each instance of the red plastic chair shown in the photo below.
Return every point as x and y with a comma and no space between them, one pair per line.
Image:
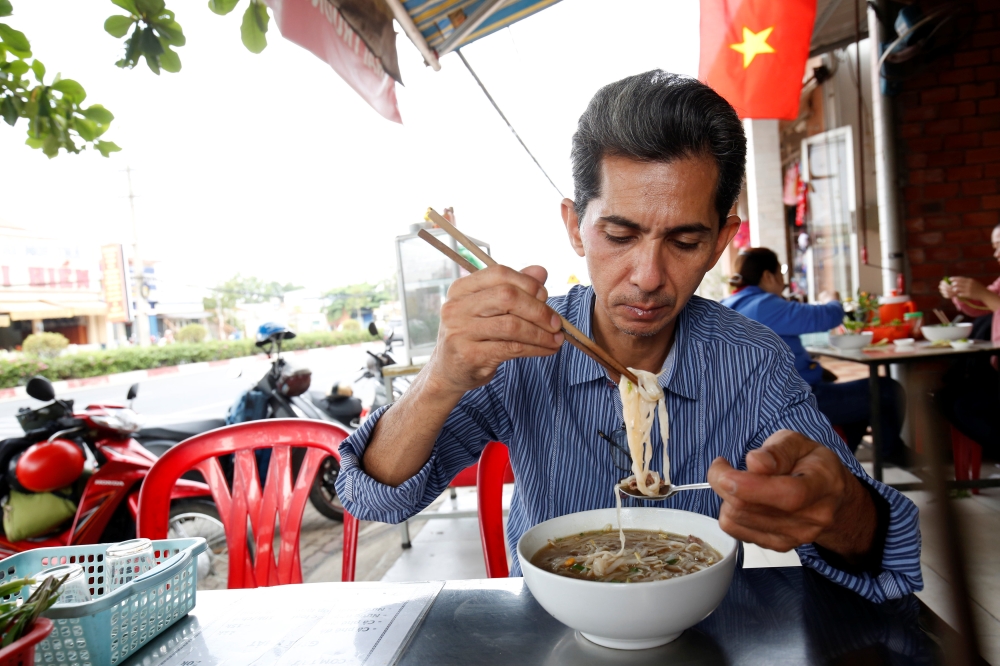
494,471
279,499
968,455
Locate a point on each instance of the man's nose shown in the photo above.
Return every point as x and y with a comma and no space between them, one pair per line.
648,269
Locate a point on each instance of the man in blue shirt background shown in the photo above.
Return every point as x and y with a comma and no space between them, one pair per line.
658,162
759,286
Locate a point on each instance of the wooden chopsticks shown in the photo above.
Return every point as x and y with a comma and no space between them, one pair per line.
574,336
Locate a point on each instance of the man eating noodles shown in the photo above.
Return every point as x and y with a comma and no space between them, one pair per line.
658,162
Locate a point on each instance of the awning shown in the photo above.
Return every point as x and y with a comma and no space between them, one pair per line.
447,25
29,310
835,25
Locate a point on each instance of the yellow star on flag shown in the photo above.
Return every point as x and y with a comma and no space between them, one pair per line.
753,43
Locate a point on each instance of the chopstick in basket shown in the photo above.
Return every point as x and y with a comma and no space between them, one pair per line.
573,335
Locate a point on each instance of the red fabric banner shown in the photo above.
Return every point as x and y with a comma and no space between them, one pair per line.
754,52
318,27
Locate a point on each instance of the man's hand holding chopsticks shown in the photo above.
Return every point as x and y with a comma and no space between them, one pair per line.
491,316
494,315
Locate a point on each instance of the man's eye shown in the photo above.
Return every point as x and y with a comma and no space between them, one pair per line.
681,245
621,240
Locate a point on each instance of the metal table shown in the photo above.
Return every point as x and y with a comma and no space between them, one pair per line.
787,615
890,355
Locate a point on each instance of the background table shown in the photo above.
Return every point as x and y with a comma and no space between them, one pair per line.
874,358
770,616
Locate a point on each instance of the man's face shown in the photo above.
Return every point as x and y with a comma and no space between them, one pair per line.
649,238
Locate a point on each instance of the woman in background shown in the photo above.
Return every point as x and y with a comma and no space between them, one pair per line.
758,287
971,395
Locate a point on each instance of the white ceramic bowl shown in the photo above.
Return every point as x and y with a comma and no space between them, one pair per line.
630,617
851,340
954,332
965,344
903,342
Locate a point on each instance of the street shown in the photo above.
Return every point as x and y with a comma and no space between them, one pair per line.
208,394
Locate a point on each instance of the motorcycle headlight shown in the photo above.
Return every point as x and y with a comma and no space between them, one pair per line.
124,421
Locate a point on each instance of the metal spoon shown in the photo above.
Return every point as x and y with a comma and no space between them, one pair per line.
667,491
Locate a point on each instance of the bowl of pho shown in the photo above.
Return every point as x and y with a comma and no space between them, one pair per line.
672,572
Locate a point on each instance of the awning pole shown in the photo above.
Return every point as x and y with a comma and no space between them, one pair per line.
885,166
413,32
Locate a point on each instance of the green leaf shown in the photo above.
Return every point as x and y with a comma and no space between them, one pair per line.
98,114
8,111
86,129
39,69
222,7
18,68
5,8
72,90
170,61
254,27
50,146
131,50
106,147
118,26
150,7
150,44
34,142
15,41
127,5
170,32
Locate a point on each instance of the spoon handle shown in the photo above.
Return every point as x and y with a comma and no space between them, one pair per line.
693,486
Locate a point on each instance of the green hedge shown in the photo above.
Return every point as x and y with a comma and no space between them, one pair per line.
111,361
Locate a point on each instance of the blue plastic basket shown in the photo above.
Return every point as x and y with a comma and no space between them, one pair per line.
114,624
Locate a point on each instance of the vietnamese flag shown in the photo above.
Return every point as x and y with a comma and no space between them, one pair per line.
754,52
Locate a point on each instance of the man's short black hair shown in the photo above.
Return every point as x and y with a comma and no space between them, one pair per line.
659,117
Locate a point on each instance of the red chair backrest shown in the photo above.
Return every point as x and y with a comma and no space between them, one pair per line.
494,471
280,499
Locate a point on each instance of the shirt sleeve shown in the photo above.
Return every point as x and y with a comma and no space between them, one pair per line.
792,318
899,573
478,418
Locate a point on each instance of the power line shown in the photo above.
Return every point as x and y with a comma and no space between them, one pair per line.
513,131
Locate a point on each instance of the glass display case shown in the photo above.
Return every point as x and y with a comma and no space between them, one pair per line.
424,278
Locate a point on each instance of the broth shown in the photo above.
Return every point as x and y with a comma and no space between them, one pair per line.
648,555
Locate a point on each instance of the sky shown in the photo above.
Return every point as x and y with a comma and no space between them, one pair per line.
270,165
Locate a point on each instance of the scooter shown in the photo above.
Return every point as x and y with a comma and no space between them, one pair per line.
283,392
113,474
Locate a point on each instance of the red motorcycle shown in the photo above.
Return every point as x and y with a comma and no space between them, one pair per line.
113,468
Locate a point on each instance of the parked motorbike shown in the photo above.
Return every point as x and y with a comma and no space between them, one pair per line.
108,488
283,392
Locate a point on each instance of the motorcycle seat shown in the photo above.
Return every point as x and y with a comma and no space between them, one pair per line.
180,431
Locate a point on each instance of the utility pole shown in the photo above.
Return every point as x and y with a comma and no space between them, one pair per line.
140,324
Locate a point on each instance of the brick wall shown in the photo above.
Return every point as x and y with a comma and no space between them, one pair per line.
948,120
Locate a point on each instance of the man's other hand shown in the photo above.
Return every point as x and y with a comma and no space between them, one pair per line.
492,316
794,492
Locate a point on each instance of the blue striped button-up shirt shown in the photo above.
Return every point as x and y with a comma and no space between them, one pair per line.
730,385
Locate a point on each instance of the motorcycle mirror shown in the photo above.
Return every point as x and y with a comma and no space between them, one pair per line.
133,392
372,328
40,388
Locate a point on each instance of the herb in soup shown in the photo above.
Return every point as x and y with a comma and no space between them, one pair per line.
647,555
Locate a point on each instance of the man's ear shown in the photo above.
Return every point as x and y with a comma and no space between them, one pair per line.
572,222
726,235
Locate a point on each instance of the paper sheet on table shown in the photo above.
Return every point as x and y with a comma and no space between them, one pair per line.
360,624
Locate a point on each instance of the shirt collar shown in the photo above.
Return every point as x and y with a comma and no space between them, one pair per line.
679,373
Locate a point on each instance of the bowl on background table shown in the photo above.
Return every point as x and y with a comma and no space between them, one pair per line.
952,332
849,341
903,343
962,345
630,616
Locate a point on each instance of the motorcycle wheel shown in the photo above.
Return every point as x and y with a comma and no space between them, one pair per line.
200,518
323,494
